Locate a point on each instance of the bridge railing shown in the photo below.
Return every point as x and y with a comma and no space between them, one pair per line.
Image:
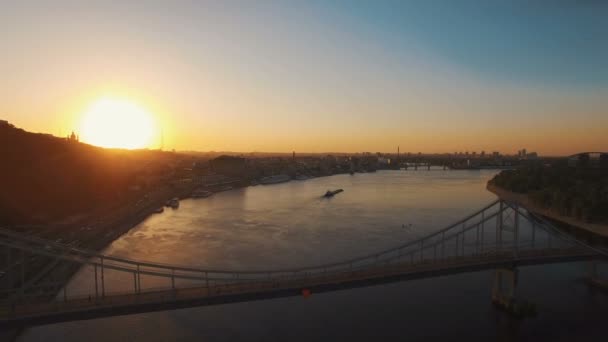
486,232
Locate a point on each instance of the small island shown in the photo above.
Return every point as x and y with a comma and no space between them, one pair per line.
573,191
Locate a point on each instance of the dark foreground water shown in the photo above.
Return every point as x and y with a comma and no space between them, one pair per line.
289,224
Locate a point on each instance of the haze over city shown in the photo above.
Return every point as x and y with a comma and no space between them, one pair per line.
314,76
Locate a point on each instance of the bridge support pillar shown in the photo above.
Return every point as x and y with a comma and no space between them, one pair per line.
516,232
592,269
594,277
103,283
96,284
138,280
9,264
22,258
499,225
500,292
503,294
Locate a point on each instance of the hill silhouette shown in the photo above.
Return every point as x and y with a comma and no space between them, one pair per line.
45,178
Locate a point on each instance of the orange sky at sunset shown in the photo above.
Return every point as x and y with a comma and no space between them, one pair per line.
277,78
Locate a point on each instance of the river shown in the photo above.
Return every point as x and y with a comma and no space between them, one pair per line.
289,224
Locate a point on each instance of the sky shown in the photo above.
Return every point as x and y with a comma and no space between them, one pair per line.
317,76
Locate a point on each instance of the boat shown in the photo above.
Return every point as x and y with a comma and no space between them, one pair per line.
275,179
201,193
330,193
174,203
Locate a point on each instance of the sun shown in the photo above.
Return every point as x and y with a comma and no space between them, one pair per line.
117,123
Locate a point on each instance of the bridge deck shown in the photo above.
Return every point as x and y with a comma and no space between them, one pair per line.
493,237
157,300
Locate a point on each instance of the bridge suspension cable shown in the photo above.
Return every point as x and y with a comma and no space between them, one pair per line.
491,236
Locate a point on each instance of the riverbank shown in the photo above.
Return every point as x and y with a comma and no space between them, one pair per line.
111,226
597,229
97,231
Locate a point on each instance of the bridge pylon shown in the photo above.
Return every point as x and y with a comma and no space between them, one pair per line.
504,293
505,285
594,278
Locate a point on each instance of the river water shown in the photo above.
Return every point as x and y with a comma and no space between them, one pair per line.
289,224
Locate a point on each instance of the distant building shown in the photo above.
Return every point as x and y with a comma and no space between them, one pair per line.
383,161
522,154
589,159
73,137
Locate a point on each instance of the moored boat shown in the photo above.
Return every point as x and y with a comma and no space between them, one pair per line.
330,193
173,203
201,193
275,179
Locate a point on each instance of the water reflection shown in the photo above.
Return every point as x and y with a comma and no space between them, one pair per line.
289,224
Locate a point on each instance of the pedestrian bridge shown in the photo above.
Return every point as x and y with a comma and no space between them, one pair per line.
498,236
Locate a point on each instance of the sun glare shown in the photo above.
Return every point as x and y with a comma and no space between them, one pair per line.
117,123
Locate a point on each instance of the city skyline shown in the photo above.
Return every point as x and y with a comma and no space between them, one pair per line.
316,77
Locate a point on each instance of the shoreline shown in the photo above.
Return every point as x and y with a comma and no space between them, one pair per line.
109,233
600,230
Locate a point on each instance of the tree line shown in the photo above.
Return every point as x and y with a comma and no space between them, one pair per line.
580,192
